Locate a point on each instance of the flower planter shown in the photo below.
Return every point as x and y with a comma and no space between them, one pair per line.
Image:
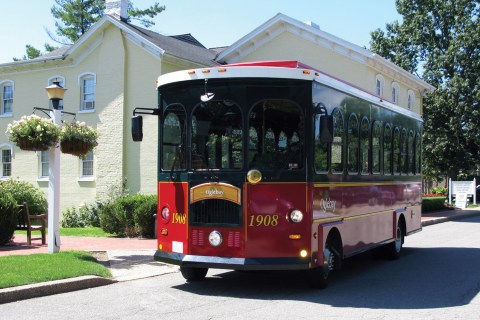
28,145
75,147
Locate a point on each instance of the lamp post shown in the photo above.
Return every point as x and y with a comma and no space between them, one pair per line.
55,93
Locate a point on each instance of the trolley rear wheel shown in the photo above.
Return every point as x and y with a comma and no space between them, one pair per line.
394,249
193,274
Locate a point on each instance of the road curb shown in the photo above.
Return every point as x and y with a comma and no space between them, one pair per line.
52,287
457,216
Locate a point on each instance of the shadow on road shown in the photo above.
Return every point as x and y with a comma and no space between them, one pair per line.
422,278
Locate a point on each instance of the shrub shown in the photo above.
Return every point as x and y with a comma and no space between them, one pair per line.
433,203
8,218
129,216
144,219
84,217
26,192
439,190
70,218
109,220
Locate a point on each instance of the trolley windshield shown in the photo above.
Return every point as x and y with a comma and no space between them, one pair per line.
241,126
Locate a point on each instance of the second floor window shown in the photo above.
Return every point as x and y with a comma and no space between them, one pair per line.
87,83
6,93
411,100
379,84
395,91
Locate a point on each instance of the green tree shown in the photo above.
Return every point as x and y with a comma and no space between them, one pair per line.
31,52
439,41
75,17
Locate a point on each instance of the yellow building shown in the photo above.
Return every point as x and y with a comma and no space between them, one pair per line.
113,68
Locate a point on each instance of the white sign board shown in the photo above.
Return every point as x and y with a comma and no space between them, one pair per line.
461,190
467,187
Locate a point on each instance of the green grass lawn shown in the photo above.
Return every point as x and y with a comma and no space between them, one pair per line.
76,232
19,270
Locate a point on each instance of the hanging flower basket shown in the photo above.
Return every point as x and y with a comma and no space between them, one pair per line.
25,143
75,147
33,133
77,138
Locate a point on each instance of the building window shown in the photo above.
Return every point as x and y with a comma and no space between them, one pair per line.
411,100
6,95
395,92
6,169
61,82
44,163
87,88
87,165
379,84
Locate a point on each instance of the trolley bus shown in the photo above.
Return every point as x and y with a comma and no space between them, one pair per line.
277,166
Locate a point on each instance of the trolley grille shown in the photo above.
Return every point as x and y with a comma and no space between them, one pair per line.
215,212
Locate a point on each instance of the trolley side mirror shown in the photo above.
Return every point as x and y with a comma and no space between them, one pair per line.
137,121
326,123
137,128
326,129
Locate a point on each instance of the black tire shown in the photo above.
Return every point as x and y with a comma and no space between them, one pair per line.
193,274
318,277
393,250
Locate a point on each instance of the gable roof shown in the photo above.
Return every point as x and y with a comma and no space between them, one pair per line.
281,23
184,47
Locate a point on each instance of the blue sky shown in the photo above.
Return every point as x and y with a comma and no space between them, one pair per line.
214,23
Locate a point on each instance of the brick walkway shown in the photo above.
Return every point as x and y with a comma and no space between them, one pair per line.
19,245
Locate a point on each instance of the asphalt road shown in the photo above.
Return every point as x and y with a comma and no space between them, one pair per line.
438,277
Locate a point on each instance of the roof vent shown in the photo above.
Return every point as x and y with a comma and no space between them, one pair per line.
313,25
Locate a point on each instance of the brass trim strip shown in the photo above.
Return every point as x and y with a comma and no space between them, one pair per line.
327,220
360,184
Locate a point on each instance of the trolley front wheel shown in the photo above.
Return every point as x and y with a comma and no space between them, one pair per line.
193,274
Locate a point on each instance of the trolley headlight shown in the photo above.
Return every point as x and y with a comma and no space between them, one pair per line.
254,176
165,213
215,238
295,216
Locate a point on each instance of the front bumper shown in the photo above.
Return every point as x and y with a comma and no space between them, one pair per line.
232,263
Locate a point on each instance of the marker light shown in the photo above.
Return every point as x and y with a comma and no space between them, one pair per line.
303,253
166,213
295,216
215,238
